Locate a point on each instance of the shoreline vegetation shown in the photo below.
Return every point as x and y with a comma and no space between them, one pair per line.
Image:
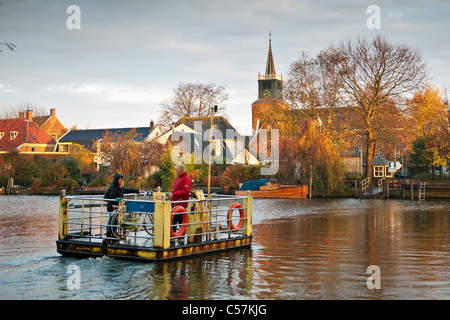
398,189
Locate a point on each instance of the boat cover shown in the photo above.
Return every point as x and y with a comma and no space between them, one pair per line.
253,184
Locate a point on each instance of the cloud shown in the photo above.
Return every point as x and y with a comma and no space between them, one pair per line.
112,92
133,53
6,88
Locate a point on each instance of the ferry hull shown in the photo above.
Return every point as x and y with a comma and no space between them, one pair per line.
283,192
120,250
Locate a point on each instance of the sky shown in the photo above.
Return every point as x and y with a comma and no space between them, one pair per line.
124,58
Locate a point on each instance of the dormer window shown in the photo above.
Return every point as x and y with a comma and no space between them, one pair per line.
13,135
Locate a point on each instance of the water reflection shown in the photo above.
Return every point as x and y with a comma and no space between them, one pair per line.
324,253
302,249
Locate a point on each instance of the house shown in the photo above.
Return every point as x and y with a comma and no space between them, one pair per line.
353,160
50,124
27,138
92,138
381,168
192,135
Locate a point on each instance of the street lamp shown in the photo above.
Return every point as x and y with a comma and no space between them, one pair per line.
213,109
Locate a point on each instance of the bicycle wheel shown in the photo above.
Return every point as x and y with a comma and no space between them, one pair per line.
116,230
147,221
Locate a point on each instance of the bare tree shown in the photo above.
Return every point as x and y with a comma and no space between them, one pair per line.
14,111
192,100
372,73
10,45
310,89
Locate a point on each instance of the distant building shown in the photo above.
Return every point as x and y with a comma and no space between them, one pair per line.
91,139
270,90
226,141
25,136
51,125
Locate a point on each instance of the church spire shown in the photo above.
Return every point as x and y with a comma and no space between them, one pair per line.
270,65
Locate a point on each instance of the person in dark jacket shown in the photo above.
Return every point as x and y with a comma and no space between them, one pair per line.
115,190
180,191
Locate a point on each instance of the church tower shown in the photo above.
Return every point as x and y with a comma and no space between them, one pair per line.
270,84
270,88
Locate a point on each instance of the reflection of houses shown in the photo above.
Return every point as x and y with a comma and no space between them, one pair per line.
92,138
25,136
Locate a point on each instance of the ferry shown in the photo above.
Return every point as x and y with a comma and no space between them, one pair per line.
270,188
141,226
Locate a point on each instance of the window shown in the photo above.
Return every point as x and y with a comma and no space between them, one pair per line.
378,171
1,135
3,170
13,135
387,173
63,148
54,136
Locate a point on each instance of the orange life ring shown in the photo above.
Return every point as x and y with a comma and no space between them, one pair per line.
184,222
238,206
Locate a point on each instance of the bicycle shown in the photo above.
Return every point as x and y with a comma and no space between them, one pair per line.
130,221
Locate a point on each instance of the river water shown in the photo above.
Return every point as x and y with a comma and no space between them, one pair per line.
302,249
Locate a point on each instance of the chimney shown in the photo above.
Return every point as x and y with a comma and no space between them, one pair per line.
152,125
29,115
53,112
22,115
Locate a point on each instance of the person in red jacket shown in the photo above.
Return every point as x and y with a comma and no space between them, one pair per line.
180,191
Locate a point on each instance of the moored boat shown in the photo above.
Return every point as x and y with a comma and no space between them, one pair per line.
270,188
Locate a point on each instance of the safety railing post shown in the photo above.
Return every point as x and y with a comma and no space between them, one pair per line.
248,214
162,223
63,215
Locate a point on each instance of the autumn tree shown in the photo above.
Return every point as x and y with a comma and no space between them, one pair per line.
306,149
371,74
429,115
85,158
320,157
192,100
120,151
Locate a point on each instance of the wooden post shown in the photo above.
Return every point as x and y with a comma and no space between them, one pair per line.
310,181
387,188
356,188
411,188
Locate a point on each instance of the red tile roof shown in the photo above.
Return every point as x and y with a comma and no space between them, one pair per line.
28,132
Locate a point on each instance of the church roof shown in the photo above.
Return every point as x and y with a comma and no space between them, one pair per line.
270,65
